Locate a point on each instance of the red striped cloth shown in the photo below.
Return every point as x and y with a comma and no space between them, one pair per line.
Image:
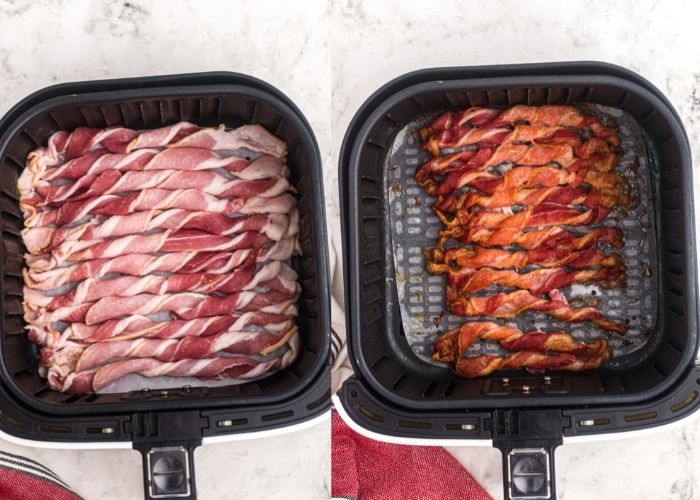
25,479
365,469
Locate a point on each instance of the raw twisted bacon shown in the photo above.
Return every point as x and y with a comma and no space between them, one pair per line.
80,357
156,199
548,237
509,305
274,226
539,281
547,115
479,366
64,146
254,180
240,367
185,305
274,275
165,241
450,347
136,264
137,326
438,261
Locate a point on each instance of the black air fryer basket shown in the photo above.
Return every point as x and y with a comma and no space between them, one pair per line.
395,393
165,425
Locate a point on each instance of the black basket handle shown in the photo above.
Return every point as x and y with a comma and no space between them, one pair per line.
527,440
168,472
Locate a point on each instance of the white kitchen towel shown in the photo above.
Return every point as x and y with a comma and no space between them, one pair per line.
342,368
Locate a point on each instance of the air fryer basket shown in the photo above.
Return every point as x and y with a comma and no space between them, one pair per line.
177,418
395,393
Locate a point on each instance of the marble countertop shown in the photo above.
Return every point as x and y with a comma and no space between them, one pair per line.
45,42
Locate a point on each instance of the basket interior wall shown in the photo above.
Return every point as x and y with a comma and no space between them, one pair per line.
232,108
383,354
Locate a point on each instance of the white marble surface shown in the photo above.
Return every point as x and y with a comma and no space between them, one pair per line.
373,42
46,42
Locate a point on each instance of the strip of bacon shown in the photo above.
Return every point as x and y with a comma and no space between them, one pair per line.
543,215
539,281
137,326
509,305
438,261
207,181
558,195
547,115
135,264
548,237
450,347
275,226
166,241
156,199
538,134
274,275
81,357
479,366
238,367
186,305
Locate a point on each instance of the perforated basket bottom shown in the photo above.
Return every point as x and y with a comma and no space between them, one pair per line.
414,227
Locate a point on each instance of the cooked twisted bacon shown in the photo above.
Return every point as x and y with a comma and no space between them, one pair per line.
539,281
450,347
548,115
593,155
548,237
559,195
509,305
479,366
439,261
544,215
538,134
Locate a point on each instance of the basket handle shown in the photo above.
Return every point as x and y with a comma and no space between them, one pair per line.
168,472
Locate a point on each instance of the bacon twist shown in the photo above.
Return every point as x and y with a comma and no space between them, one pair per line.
479,366
509,305
451,346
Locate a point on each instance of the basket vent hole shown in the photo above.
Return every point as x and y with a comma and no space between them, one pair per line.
277,416
59,429
682,404
13,421
414,425
369,413
101,430
641,416
319,401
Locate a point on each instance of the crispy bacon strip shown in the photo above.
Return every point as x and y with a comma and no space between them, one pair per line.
551,236
440,261
539,281
551,115
479,366
538,134
450,347
509,305
559,195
